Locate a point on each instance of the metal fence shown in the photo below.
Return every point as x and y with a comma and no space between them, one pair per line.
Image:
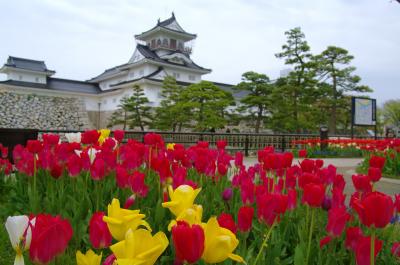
249,143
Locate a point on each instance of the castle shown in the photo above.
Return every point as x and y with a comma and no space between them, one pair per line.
32,98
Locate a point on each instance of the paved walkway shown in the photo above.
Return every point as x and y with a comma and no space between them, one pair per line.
347,167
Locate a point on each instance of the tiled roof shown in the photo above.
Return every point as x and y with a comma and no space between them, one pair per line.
27,64
59,84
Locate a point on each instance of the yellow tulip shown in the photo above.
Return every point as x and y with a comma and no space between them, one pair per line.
120,220
191,215
219,243
104,133
170,146
182,198
139,247
90,258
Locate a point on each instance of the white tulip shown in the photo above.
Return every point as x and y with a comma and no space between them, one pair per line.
73,137
91,153
16,227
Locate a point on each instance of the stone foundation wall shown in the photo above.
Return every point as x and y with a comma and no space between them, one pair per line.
42,112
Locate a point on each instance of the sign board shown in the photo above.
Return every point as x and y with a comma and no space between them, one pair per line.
363,111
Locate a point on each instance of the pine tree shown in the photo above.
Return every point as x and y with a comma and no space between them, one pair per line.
256,104
120,116
137,105
334,70
207,103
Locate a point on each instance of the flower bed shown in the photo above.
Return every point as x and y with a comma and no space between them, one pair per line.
94,200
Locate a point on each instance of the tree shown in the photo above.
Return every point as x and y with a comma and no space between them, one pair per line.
332,67
137,105
171,115
257,102
391,113
207,104
120,116
295,93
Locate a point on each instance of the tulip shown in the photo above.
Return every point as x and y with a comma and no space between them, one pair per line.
73,137
99,235
50,139
221,144
314,194
270,207
120,220
227,194
225,220
74,165
324,241
307,165
245,218
188,241
137,184
238,159
181,198
292,199
90,137
119,135
170,146
16,227
377,161
219,243
50,237
34,146
129,201
374,174
109,260
104,133
396,249
375,209
363,249
139,247
397,202
90,258
337,219
352,236
303,153
362,183
192,215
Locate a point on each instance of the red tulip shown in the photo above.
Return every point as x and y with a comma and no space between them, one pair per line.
292,199
396,249
270,207
245,218
324,241
225,220
188,241
99,234
221,144
98,169
4,151
50,237
90,137
337,219
375,209
227,194
129,202
313,194
34,146
352,236
137,184
50,139
319,163
397,202
238,159
307,165
247,191
363,249
122,177
119,135
303,153
74,165
109,260
287,159
377,161
362,183
374,174
56,170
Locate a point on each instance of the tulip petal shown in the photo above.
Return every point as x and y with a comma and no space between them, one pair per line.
16,227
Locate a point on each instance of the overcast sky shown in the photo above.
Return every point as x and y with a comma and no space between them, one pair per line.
80,39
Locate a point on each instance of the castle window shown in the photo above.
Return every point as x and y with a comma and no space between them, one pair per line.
176,75
173,44
165,43
37,79
20,77
192,77
153,43
158,43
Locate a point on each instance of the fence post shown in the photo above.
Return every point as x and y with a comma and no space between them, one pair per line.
283,143
246,145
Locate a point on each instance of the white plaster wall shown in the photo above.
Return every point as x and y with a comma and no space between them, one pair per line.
183,75
27,77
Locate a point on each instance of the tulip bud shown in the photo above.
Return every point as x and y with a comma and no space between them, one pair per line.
245,218
99,235
227,194
130,201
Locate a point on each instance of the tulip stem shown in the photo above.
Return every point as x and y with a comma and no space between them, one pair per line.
34,183
264,243
310,234
372,252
